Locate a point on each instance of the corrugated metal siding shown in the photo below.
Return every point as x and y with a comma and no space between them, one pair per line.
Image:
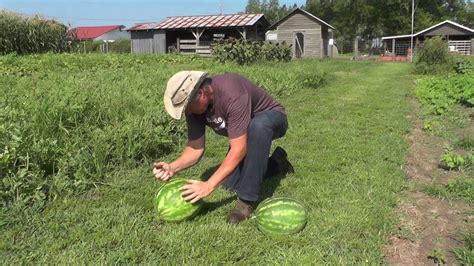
142,42
159,42
311,30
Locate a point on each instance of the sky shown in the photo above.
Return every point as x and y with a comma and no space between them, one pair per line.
76,13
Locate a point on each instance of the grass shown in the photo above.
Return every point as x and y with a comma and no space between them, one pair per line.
346,141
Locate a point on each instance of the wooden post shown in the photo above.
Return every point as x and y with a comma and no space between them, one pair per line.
197,35
393,49
177,45
243,33
356,47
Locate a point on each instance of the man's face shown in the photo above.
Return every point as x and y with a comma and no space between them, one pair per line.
198,105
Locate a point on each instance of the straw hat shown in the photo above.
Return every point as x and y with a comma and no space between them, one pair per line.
180,89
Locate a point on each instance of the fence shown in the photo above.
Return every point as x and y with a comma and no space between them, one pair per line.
191,47
462,47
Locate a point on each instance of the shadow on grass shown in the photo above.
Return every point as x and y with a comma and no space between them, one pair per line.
267,190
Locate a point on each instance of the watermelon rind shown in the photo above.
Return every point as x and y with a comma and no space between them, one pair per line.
170,205
280,216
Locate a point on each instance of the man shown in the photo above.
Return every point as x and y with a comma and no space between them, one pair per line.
238,109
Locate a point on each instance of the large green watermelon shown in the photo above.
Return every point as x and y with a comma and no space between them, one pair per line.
171,206
280,216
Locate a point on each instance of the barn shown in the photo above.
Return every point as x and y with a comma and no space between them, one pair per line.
194,34
460,39
310,36
99,33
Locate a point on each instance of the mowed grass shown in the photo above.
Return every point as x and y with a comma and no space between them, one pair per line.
345,139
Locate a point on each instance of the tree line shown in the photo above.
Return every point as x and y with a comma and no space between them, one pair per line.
368,19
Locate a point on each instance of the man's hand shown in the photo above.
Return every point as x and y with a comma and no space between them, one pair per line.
162,171
195,190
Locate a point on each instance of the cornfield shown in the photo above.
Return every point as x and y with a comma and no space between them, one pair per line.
25,35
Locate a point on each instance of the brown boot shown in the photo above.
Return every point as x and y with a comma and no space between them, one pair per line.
241,212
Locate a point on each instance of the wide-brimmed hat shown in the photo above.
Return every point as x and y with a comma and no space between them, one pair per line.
180,89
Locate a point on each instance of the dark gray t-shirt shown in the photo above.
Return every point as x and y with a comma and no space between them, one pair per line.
236,99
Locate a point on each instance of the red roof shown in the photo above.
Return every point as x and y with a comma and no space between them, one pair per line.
212,21
92,32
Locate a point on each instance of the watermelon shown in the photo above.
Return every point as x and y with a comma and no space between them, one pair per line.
280,216
171,206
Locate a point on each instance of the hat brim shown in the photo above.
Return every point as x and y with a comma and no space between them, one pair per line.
176,111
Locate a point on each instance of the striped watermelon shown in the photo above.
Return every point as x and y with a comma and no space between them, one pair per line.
280,216
171,206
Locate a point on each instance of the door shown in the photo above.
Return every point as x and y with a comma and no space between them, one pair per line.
299,44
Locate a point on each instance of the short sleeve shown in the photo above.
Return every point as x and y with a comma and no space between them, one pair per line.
196,127
239,116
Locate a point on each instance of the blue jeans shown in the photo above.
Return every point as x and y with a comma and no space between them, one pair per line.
247,178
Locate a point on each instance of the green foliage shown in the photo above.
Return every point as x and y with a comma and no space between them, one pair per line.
247,52
452,161
25,35
438,256
439,94
270,8
465,254
463,65
67,121
433,57
458,188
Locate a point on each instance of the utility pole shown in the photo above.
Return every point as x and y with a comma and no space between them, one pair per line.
412,23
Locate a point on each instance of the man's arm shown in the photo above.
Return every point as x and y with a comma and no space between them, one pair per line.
189,157
197,190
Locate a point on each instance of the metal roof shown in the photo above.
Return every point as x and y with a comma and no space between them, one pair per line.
91,32
300,11
428,29
212,21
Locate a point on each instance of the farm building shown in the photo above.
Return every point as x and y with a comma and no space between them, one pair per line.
100,33
309,35
460,39
194,34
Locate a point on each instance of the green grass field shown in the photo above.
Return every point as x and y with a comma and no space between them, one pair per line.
345,139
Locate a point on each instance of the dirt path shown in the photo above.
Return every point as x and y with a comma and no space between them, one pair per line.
429,226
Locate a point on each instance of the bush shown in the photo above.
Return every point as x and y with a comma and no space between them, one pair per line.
246,52
433,57
25,35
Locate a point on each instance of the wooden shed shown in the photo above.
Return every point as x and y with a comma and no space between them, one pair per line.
194,34
460,39
309,35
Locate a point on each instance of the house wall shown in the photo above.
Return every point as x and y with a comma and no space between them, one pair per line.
298,22
114,35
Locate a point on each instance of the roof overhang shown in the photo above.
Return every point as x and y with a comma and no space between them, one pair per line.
299,10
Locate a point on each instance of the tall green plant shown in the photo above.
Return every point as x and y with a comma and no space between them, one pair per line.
433,57
25,35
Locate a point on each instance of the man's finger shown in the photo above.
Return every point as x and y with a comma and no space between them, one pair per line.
192,196
191,181
196,199
186,192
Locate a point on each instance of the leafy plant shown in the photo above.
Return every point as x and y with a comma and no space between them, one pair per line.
438,256
247,52
451,161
